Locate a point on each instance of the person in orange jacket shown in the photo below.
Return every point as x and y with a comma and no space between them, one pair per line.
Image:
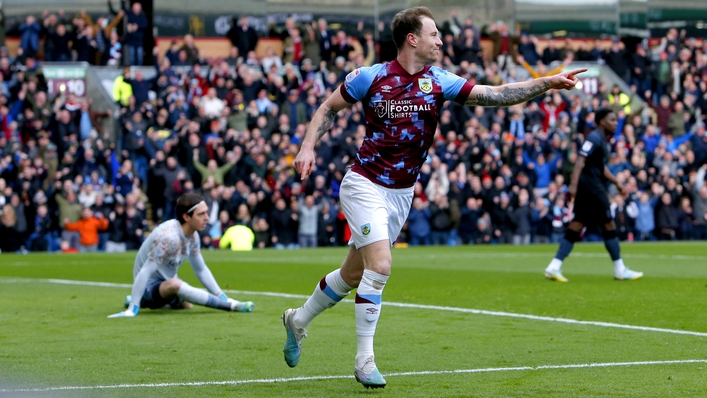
88,227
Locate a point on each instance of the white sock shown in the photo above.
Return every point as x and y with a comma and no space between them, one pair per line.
201,297
368,308
555,265
619,267
329,291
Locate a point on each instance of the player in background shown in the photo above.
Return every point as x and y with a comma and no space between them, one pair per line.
156,283
402,101
591,201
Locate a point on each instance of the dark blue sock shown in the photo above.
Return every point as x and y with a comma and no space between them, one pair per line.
564,250
612,246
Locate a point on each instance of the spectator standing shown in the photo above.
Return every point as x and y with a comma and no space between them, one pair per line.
645,221
522,218
281,222
242,35
419,223
135,36
88,227
29,36
440,220
308,222
666,217
542,221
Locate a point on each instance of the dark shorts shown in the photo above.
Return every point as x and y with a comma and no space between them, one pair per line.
591,206
151,298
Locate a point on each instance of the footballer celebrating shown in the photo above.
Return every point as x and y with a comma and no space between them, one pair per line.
402,101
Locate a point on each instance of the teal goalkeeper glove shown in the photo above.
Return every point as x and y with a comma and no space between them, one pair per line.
131,312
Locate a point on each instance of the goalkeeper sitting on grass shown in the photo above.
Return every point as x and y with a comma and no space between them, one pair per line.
155,274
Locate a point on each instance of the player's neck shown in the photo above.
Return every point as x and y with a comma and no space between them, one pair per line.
187,229
410,63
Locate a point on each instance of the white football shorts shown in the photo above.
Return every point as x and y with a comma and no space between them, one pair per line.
374,212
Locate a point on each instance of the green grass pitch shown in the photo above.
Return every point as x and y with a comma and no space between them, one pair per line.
55,335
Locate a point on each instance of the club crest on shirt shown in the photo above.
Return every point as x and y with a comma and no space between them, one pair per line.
366,229
425,85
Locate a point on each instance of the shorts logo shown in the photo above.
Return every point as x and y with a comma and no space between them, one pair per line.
366,229
425,85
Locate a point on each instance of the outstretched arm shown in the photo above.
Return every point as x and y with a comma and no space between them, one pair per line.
516,93
139,285
203,273
321,123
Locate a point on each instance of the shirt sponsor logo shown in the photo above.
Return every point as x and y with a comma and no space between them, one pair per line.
425,85
399,109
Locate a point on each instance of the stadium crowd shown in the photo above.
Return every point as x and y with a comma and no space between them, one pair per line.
230,128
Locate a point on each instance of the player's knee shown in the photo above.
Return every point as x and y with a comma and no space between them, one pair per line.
381,267
170,287
572,236
352,277
608,234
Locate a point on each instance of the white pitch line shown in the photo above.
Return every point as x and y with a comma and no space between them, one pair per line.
394,304
330,377
402,255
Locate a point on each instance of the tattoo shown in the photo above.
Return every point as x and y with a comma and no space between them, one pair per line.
508,96
328,117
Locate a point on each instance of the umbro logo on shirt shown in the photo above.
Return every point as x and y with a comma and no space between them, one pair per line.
386,88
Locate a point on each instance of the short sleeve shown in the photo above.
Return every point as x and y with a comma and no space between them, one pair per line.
358,82
589,145
454,87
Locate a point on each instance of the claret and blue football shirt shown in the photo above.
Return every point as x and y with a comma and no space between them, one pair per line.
401,112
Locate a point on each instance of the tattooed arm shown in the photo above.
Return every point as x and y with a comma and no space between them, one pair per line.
516,93
322,120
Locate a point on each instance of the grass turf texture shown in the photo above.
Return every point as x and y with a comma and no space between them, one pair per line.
54,335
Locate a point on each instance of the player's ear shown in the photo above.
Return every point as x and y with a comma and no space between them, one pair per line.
412,39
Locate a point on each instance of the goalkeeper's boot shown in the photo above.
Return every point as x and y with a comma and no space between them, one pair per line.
241,306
